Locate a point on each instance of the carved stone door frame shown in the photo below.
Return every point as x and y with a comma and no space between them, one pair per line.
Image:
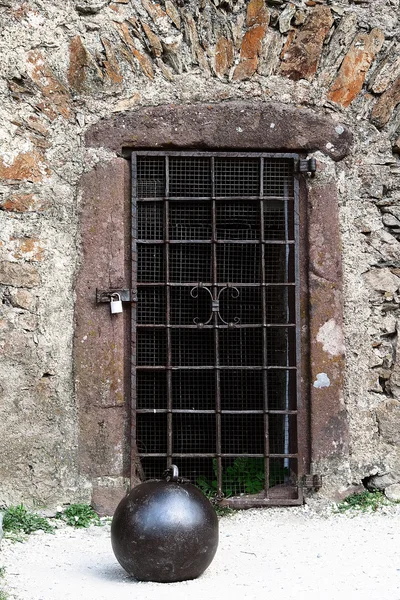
102,343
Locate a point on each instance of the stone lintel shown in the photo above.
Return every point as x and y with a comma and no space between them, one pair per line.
227,126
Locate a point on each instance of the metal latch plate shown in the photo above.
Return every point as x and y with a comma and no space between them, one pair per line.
307,165
105,295
312,482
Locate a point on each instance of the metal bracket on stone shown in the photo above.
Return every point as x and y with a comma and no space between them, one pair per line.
103,296
307,165
312,482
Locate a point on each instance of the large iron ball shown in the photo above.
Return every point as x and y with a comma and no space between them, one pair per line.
164,531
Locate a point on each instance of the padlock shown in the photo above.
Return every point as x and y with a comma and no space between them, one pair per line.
116,305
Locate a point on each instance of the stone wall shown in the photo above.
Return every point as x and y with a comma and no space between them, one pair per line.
68,64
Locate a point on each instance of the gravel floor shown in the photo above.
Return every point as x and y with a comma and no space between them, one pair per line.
289,553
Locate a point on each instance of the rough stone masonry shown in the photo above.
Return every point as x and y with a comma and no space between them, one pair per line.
68,66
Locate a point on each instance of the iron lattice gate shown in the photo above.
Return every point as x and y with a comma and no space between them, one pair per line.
216,324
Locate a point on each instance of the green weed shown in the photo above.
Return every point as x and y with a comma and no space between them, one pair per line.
209,488
245,474
79,515
222,511
17,520
364,501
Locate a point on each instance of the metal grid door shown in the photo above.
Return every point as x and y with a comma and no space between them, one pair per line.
216,323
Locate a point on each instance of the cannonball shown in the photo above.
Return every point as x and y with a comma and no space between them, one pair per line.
164,531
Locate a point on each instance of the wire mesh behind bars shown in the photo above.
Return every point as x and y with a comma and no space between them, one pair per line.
216,327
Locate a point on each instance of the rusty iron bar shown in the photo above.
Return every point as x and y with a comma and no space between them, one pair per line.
168,312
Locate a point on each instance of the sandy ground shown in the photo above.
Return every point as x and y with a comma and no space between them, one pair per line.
289,553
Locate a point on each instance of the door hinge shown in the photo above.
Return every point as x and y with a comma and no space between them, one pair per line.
312,481
124,294
307,165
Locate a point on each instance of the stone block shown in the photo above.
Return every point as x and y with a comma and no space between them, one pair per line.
337,48
355,66
249,52
390,220
373,179
81,65
23,203
172,52
198,54
111,65
251,43
153,39
173,13
388,417
285,18
382,280
224,53
380,482
56,97
257,14
90,7
19,347
386,244
19,274
21,298
395,373
154,10
28,321
392,492
103,443
144,62
387,71
386,104
269,61
373,384
27,166
301,57
165,70
257,21
105,499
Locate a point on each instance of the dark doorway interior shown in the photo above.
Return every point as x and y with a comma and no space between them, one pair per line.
216,325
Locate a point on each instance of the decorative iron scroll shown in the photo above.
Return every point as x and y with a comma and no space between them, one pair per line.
215,303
